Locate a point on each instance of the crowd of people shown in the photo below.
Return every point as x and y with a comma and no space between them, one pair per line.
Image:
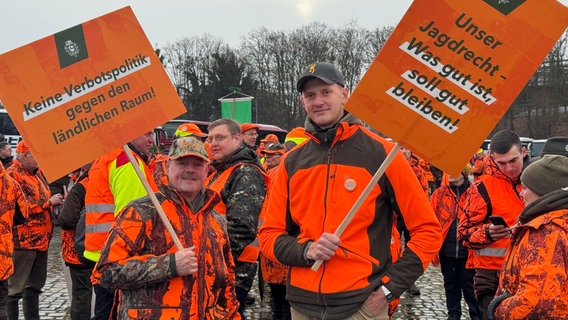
183,233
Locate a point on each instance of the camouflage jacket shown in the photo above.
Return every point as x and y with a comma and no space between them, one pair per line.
242,194
535,272
35,231
11,197
138,259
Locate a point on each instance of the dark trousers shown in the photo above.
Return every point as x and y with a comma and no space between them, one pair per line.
81,292
104,301
279,304
30,274
242,298
485,283
3,299
244,277
458,282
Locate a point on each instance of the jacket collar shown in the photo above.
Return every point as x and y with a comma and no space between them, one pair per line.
142,156
241,155
341,130
7,161
16,163
552,201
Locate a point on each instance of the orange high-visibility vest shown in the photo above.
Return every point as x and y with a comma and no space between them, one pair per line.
112,184
251,251
505,203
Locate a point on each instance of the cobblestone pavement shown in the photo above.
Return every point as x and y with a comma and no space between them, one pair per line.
54,301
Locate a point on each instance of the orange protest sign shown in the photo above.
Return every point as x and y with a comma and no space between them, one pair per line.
84,91
451,69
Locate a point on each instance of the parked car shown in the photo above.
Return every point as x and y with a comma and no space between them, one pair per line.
536,148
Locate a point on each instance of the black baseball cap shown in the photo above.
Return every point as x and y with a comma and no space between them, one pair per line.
324,71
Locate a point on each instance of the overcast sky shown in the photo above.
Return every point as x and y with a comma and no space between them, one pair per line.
165,21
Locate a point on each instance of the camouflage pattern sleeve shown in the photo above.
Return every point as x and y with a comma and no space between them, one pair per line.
472,225
244,193
123,263
537,276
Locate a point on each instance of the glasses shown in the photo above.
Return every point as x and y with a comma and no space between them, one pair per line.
251,133
218,138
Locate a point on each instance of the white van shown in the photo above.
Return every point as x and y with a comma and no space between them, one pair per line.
8,129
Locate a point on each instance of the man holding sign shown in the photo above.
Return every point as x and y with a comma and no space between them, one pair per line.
155,279
113,183
316,184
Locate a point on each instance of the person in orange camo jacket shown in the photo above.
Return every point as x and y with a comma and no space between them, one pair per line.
11,200
447,202
156,280
31,235
273,272
534,279
496,192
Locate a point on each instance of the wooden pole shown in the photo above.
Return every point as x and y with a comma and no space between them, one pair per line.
362,197
152,196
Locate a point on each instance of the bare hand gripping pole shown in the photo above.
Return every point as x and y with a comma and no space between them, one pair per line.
362,197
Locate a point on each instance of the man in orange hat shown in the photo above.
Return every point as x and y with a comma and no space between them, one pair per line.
189,129
294,138
12,199
270,138
273,153
31,235
249,132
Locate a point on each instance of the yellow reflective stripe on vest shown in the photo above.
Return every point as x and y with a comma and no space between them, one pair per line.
491,252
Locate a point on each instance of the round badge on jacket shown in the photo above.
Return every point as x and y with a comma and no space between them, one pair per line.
350,184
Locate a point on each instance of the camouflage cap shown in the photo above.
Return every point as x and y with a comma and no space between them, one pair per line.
188,146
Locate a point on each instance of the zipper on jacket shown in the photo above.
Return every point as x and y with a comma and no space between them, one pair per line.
328,161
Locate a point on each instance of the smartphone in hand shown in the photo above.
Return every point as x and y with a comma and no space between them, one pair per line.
498,221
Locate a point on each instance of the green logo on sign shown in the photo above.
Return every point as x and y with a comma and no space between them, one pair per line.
71,46
504,6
